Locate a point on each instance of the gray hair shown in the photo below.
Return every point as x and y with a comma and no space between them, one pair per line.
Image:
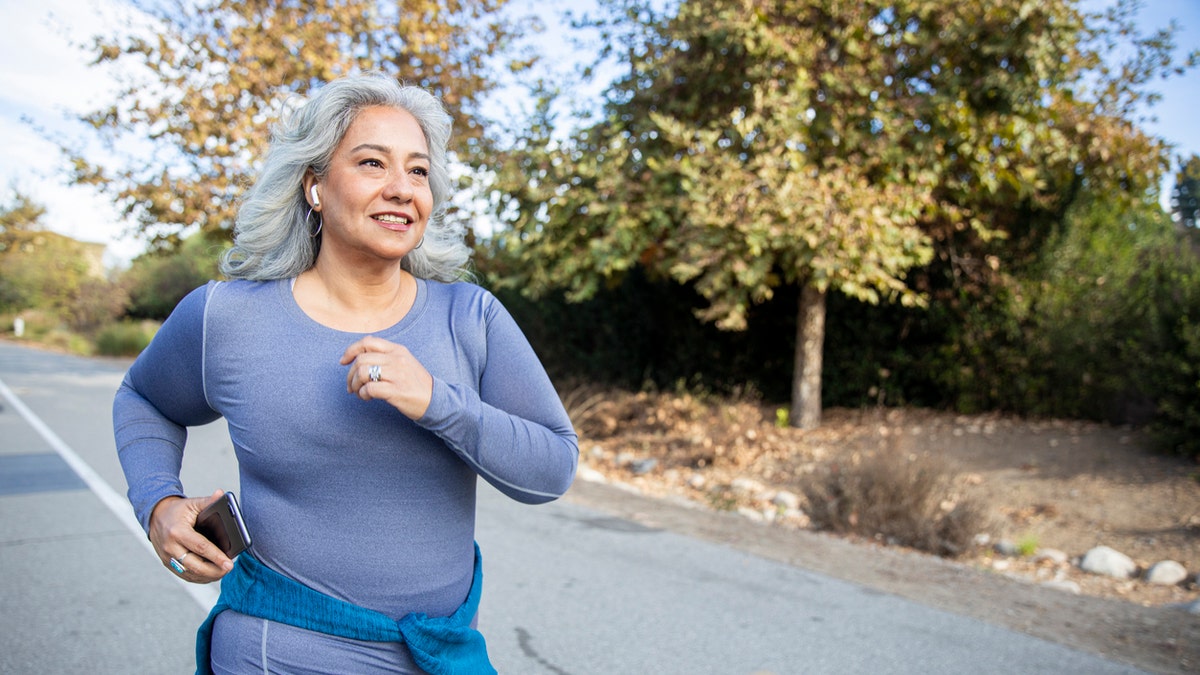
272,235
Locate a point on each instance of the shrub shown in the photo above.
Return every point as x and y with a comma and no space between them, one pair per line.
127,338
904,499
38,324
65,340
92,304
1173,375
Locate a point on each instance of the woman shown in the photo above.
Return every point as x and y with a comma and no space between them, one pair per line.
365,387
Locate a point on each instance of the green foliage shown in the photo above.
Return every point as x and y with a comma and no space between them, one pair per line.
705,169
93,303
913,151
158,280
1112,311
68,341
125,338
37,324
203,84
1165,353
48,271
1100,326
20,229
1028,545
642,333
1177,423
1185,196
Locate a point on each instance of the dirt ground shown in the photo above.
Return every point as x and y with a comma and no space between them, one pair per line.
1062,485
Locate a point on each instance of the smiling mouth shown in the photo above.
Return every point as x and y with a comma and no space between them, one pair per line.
393,220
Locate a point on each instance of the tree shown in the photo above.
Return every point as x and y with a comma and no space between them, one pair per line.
158,280
20,223
1185,196
45,270
1083,137
834,146
203,83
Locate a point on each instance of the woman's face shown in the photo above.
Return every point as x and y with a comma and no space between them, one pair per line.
376,198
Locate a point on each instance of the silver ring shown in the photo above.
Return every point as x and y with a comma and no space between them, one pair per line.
374,372
179,569
183,557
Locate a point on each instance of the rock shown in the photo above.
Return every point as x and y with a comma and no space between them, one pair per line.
786,500
1192,607
797,518
1063,585
643,466
752,514
746,487
1052,555
1007,548
1166,573
1108,562
587,473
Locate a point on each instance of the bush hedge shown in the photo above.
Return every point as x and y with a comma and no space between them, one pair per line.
125,338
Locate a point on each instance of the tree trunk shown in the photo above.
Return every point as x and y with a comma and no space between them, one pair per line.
806,369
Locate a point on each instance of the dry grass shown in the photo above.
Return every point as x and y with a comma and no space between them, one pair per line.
904,499
711,445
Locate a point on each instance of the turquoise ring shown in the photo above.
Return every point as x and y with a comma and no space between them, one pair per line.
177,566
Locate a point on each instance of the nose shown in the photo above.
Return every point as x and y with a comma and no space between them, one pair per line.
399,187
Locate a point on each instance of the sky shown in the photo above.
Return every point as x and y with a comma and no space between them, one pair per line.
46,80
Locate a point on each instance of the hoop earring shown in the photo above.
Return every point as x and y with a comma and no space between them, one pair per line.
320,222
419,243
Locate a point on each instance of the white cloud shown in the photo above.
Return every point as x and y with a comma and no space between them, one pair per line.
47,69
44,85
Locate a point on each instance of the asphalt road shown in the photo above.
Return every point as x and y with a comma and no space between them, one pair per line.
568,590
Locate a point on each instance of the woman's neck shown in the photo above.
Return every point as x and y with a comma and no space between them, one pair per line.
360,300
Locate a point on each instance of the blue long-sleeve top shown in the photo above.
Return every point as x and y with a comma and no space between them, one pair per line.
346,496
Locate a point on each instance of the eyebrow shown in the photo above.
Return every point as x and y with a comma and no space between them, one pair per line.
387,151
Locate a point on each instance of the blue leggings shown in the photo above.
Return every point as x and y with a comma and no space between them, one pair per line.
244,644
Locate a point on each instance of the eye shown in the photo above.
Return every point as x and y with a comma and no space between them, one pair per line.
372,163
421,171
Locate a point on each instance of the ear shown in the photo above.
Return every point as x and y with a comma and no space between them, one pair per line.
311,193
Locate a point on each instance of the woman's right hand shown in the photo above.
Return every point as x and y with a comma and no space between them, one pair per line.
174,537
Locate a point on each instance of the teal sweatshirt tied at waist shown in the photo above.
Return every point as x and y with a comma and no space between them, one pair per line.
439,645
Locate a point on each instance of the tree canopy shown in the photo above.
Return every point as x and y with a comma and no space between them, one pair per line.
1185,196
914,152
202,84
47,271
830,145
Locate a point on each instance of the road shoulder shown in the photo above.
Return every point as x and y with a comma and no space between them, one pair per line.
1157,639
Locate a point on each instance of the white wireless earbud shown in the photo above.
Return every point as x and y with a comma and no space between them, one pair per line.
316,198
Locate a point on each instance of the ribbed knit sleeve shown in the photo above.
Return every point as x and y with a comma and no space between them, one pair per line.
514,431
161,395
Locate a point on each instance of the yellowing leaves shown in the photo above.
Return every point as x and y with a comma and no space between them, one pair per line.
211,80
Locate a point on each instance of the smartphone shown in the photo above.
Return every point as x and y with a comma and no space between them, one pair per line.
223,525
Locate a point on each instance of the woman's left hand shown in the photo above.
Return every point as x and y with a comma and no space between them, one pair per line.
387,371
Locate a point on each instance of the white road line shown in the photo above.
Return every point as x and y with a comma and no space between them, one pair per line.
205,596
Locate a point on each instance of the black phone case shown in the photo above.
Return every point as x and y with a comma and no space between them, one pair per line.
222,524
